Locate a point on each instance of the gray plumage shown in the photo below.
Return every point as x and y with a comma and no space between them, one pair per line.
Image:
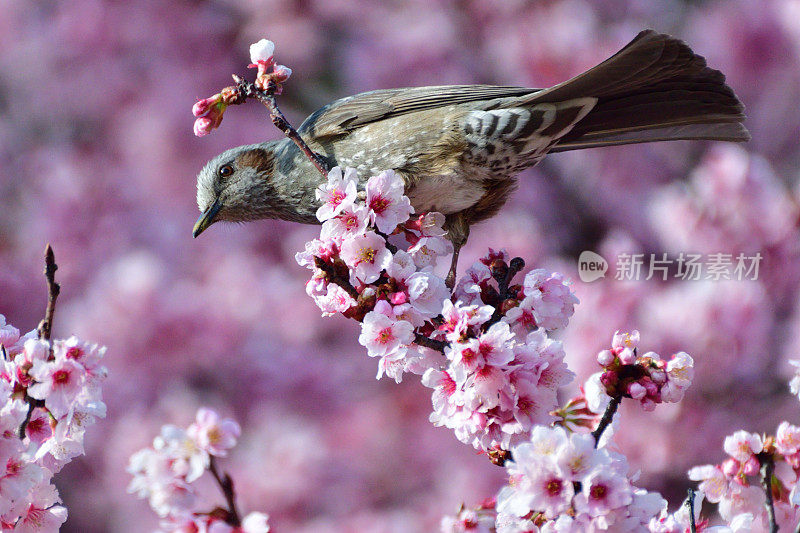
459,147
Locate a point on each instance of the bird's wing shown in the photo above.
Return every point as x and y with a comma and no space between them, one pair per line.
352,112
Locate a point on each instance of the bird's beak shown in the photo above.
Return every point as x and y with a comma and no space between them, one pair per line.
207,218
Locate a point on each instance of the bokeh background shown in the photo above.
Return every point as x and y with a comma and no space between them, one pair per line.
97,156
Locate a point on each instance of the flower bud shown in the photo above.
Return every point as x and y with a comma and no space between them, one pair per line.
398,298
605,357
751,466
636,391
730,467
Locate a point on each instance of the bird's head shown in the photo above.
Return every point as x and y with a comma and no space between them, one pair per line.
236,186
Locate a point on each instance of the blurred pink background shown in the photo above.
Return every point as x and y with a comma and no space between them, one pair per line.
98,157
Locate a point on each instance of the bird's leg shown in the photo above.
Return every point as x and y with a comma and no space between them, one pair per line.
450,280
457,232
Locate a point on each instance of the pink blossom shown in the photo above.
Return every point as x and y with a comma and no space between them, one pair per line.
214,434
43,515
8,333
386,201
334,300
39,427
351,219
743,445
427,292
740,500
550,491
714,483
596,396
382,336
186,459
602,491
337,194
401,267
262,50
58,383
366,255
624,345
787,438
468,288
427,250
255,523
794,384
209,112
577,457
552,299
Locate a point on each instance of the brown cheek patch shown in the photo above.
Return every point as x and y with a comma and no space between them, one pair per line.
258,158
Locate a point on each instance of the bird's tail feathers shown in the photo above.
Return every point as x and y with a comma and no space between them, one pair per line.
654,89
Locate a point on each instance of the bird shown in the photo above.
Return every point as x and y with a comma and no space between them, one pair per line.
459,148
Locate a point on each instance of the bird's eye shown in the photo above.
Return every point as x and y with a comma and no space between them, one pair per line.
225,171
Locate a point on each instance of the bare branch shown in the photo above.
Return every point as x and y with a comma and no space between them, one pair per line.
249,90
608,416
53,290
767,469
690,503
226,485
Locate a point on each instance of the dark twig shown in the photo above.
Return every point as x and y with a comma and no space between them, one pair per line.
226,485
53,290
339,279
767,469
4,352
249,90
690,503
427,342
335,278
608,415
45,327
33,403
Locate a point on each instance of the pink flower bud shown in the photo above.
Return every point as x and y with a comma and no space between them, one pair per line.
650,387
751,466
730,467
605,357
203,126
636,391
209,112
399,298
627,356
281,73
262,51
659,377
609,379
202,107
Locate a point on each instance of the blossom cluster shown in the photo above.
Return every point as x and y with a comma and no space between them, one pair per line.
561,482
736,484
163,474
209,111
647,379
50,394
483,347
269,72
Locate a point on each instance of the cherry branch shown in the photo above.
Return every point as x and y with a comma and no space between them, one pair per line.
690,504
606,419
53,290
45,327
247,89
341,279
767,470
226,486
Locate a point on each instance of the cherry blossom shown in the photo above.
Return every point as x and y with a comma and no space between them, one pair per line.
387,204
213,434
337,193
